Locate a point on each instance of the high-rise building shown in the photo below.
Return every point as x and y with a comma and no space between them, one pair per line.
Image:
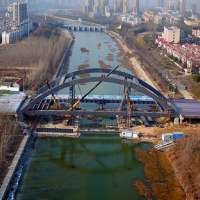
136,7
117,6
19,12
16,24
172,4
182,7
100,7
89,6
125,6
194,8
161,3
3,4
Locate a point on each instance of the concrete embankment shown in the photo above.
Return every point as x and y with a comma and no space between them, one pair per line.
65,58
8,180
13,168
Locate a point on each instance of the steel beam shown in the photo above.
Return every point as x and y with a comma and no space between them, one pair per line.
161,100
110,113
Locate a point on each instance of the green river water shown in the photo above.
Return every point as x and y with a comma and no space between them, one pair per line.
93,167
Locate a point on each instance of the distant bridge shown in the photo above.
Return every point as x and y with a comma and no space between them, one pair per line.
35,105
85,28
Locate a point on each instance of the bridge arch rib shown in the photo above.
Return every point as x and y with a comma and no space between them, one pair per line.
131,83
97,71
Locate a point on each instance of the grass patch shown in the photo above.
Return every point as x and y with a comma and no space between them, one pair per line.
196,78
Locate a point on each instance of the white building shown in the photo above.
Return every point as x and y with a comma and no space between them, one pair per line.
131,19
17,25
196,33
172,34
18,12
12,36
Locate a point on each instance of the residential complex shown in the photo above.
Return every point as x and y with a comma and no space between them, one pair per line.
187,54
182,7
102,7
125,6
196,32
16,22
136,7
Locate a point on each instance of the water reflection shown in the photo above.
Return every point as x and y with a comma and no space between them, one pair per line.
69,163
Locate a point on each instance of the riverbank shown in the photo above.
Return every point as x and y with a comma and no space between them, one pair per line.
38,69
141,70
35,59
10,138
136,65
8,180
161,182
185,160
183,156
153,135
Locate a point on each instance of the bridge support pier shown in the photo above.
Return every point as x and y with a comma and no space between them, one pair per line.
72,92
72,95
101,106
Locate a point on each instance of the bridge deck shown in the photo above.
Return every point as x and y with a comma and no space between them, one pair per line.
188,108
108,97
98,99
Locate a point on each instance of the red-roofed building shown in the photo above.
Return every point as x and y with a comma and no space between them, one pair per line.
187,54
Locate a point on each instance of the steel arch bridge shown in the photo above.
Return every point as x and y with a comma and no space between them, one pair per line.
70,80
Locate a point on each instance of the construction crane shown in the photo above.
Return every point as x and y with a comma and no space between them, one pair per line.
91,90
126,100
76,104
129,108
53,96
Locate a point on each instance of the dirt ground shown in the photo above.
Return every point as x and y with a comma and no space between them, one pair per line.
161,182
183,161
154,133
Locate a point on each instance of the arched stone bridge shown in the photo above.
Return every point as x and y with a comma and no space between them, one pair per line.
97,74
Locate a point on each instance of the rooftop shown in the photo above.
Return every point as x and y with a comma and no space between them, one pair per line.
10,103
188,108
191,51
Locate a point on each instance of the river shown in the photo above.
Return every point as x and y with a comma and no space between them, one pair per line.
92,167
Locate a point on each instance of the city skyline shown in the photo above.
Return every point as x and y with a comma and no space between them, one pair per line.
144,4
107,7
